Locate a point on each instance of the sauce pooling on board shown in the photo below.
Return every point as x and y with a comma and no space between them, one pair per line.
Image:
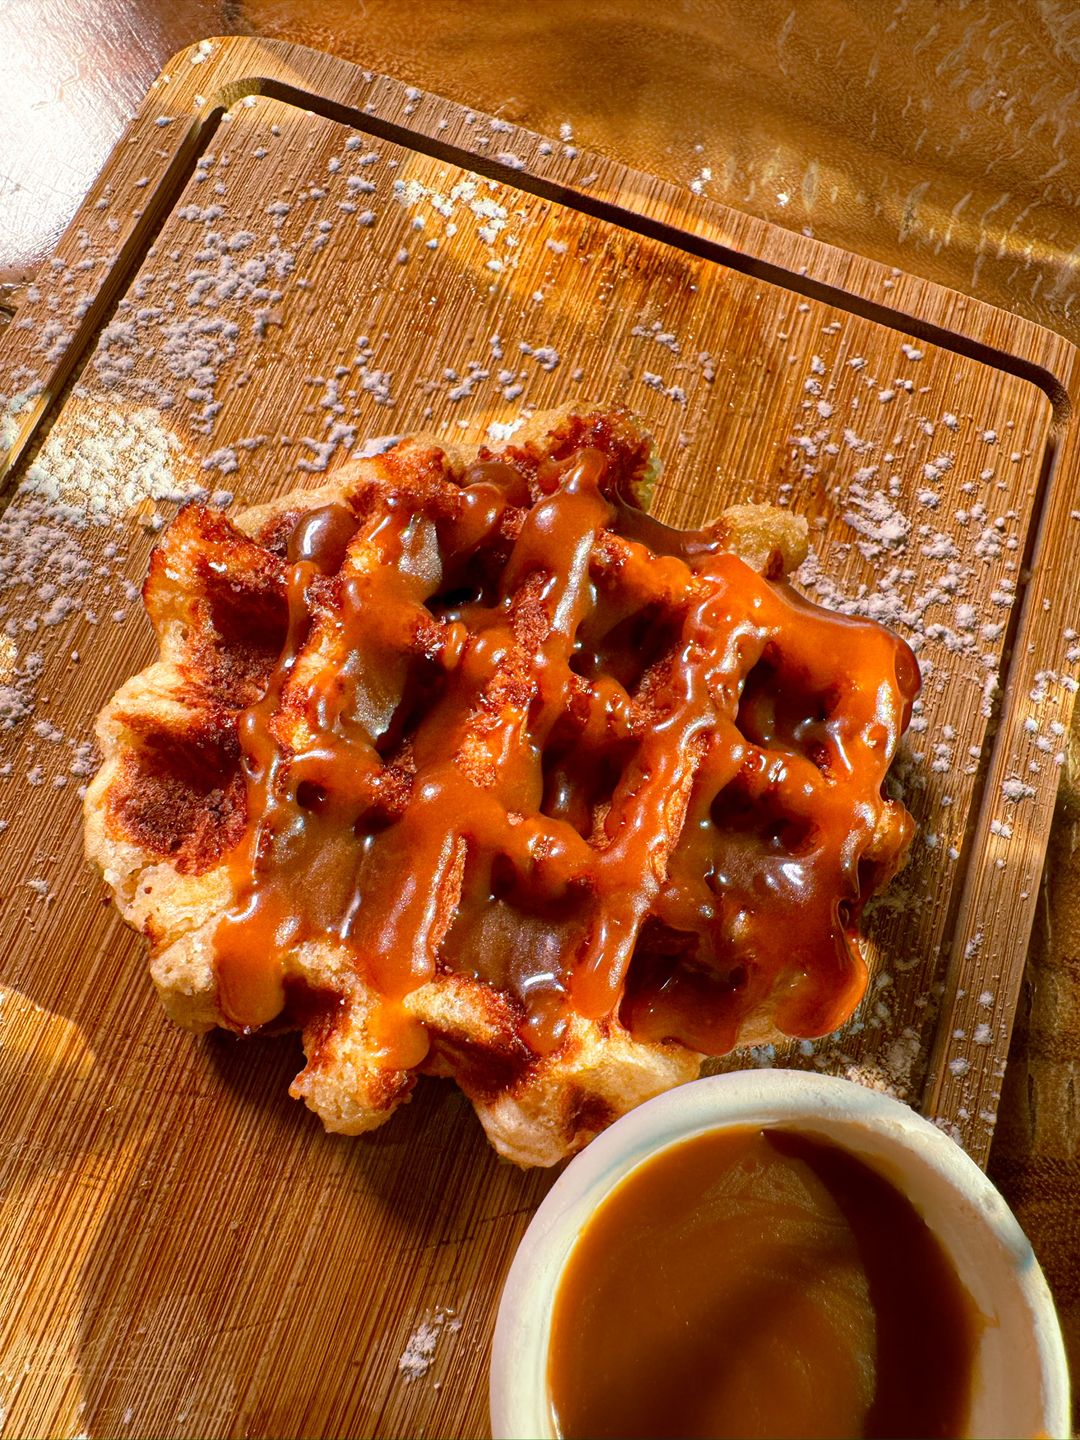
760,1283
516,732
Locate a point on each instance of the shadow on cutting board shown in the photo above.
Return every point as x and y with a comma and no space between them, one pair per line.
255,1276
185,1252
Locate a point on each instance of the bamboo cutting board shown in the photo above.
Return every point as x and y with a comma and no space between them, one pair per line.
286,259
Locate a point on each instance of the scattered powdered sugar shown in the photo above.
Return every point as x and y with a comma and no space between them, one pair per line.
494,223
656,333
12,408
896,1070
1014,790
546,356
104,464
876,516
880,489
204,307
947,582
377,445
658,383
500,432
97,469
19,684
419,1354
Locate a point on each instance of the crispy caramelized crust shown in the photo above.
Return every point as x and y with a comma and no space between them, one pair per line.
464,765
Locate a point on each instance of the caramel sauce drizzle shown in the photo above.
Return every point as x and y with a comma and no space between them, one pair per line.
607,777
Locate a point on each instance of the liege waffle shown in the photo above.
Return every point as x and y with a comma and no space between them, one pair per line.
464,765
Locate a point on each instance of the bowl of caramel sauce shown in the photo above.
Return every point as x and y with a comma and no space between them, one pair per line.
773,1253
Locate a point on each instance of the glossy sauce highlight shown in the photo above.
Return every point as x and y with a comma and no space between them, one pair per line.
507,737
760,1283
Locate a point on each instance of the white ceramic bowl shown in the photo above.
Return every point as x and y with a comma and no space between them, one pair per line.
1021,1383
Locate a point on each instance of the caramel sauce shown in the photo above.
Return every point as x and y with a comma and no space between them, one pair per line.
601,778
760,1283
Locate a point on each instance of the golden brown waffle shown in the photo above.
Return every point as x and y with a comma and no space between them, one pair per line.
464,765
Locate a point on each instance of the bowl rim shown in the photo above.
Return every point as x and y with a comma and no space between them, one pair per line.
518,1395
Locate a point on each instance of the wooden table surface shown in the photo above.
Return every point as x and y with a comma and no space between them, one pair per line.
940,139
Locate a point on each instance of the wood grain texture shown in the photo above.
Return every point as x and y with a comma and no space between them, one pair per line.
76,74
180,1244
932,136
935,137
1035,1158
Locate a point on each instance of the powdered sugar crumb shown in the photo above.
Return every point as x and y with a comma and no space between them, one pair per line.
419,1354
1014,790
